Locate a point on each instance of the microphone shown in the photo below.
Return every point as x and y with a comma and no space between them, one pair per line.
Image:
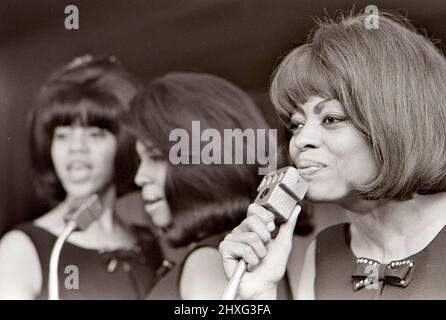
279,192
77,220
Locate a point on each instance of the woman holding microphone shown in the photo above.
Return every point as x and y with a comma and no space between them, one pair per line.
365,109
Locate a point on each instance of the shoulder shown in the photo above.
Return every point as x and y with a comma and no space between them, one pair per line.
130,209
20,270
16,242
52,221
202,276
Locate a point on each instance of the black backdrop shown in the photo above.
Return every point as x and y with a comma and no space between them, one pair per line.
237,39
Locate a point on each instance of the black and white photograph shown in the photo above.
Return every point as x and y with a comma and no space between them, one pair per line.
214,150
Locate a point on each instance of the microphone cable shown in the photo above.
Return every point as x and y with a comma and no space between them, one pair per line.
279,192
232,287
79,220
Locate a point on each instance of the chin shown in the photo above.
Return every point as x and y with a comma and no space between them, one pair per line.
81,191
324,194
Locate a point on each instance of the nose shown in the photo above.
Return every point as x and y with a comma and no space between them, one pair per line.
308,138
142,177
78,142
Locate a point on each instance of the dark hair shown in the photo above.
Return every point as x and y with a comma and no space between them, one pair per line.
204,199
91,92
391,82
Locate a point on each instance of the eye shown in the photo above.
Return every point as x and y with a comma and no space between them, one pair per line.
156,157
330,119
60,134
97,133
295,126
151,156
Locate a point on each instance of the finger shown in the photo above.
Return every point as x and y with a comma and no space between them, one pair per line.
251,239
254,224
264,214
286,230
232,252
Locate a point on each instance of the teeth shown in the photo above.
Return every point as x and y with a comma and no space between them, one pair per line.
78,165
150,207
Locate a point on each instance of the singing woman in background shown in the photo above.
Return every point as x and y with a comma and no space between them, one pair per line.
191,206
367,112
79,149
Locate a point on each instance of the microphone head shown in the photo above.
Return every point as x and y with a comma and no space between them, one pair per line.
85,212
280,191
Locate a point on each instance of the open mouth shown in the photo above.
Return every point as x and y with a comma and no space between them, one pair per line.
79,170
152,201
78,165
152,204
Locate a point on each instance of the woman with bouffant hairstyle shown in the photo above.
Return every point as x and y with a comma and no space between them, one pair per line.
391,83
107,89
366,110
79,151
191,203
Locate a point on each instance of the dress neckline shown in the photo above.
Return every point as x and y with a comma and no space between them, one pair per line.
133,248
414,257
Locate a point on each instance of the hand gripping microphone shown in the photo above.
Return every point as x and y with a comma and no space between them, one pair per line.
77,220
279,192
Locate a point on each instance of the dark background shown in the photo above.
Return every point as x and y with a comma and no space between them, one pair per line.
239,40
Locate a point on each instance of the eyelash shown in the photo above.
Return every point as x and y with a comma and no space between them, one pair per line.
156,157
60,135
149,156
294,126
95,134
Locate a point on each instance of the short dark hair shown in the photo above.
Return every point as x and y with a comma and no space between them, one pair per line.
91,92
391,82
204,199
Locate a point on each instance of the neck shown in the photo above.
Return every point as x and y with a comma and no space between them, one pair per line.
107,220
392,230
107,197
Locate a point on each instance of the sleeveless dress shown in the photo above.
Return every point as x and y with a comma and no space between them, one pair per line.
335,264
130,210
92,274
168,287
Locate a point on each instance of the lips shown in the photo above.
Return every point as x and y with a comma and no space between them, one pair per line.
309,167
152,200
78,165
79,170
152,205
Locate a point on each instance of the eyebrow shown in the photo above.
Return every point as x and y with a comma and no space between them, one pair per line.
318,108
152,149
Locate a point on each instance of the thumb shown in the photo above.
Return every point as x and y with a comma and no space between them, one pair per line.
286,230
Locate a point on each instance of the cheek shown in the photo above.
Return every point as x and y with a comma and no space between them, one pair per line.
57,156
356,163
292,149
163,174
105,157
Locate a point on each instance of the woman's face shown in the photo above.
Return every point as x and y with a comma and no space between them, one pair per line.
83,158
328,151
151,177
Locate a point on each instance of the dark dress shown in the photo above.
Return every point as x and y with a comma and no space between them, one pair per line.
335,264
119,274
130,210
168,288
